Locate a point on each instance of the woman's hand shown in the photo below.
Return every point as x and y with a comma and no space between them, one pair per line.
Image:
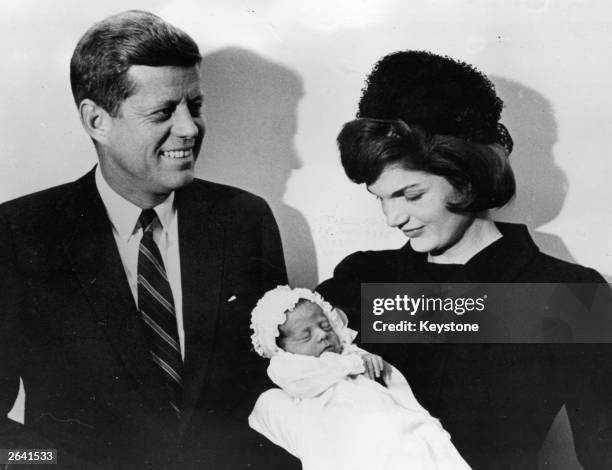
375,366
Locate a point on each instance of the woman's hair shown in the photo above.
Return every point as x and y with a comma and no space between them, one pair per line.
480,173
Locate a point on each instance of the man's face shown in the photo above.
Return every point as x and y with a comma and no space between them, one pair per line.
307,331
155,138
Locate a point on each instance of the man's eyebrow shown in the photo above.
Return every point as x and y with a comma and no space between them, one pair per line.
163,103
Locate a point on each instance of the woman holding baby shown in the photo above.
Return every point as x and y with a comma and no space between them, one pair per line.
428,144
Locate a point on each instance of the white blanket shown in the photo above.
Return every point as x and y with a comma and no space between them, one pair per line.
332,417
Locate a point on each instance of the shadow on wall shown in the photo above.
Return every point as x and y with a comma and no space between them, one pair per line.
251,121
541,190
541,184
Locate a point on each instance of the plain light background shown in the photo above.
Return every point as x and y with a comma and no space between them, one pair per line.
281,77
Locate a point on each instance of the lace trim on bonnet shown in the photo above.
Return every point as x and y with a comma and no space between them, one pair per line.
270,312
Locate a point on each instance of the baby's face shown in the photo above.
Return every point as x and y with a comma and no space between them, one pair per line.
307,331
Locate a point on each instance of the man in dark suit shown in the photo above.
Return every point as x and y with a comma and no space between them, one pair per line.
125,295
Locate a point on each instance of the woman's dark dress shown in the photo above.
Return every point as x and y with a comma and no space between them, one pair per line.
496,400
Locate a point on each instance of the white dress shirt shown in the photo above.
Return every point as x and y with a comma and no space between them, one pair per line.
127,232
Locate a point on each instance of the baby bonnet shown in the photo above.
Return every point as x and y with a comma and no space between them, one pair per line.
271,312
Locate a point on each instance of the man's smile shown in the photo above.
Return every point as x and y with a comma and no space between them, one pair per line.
178,153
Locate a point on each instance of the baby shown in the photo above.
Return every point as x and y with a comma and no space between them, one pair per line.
329,412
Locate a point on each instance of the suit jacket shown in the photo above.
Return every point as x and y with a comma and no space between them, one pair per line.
71,331
497,400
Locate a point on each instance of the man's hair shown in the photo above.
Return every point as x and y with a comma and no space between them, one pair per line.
481,174
101,59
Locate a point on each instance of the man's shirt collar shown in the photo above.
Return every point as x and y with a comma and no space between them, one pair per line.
123,214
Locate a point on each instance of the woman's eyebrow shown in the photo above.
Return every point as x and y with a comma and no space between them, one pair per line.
399,192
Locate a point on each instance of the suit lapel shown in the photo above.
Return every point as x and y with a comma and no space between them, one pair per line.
93,254
201,245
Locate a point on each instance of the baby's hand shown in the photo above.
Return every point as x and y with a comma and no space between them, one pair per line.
375,366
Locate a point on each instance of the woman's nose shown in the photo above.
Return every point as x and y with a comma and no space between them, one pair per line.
395,212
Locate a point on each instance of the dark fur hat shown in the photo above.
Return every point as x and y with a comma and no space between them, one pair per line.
441,94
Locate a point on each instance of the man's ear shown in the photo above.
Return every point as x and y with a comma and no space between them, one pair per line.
95,120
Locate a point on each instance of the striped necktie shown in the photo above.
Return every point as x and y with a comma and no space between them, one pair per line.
156,306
